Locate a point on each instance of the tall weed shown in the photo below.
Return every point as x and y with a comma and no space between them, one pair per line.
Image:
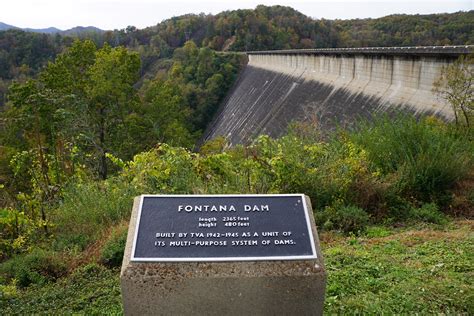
421,159
88,208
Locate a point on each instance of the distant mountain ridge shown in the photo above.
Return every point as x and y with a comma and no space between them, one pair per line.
53,30
4,26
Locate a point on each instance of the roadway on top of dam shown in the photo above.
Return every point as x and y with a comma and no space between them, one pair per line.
452,51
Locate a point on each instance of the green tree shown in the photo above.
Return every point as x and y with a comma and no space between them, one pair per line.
111,95
81,100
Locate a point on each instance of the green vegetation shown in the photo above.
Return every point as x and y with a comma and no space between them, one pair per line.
406,271
83,116
112,251
387,171
424,270
91,290
22,54
82,134
355,191
279,27
37,267
456,86
408,30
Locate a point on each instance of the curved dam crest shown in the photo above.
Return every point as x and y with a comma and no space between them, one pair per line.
331,87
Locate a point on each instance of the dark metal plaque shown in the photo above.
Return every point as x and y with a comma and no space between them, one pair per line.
222,228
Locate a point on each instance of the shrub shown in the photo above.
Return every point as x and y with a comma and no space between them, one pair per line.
87,208
345,218
15,228
36,267
112,252
327,172
382,169
165,169
422,158
8,291
377,232
428,213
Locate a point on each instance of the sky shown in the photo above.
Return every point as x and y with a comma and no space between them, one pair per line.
118,14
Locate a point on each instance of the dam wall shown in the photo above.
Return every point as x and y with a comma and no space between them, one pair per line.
331,87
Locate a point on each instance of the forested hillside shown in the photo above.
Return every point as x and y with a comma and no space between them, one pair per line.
277,27
263,28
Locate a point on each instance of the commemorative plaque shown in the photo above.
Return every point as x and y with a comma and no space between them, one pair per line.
223,228
222,254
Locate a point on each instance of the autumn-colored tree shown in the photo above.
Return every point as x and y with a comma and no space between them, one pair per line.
456,86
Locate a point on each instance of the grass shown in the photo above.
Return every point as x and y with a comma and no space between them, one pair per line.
91,290
409,271
425,269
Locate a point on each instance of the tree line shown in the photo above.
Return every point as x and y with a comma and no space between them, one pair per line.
83,112
262,28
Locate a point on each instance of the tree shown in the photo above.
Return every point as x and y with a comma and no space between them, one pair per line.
81,100
110,96
42,160
456,86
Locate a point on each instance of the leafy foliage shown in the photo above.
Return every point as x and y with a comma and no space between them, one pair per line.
112,252
37,267
408,30
263,28
424,158
181,103
344,218
279,27
25,52
85,136
83,116
429,213
456,86
349,184
333,172
91,289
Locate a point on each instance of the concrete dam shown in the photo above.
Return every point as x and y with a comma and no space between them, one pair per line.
331,87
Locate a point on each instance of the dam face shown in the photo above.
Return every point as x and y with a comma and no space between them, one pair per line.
331,87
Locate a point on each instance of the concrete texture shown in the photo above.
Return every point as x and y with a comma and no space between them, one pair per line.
331,87
222,288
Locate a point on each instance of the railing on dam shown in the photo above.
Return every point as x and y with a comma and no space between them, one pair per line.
404,50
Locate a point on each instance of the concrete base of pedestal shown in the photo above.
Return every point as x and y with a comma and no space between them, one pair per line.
222,288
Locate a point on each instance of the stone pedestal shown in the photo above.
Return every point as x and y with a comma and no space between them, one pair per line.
291,287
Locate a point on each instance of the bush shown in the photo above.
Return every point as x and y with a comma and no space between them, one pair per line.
37,267
87,208
112,252
377,232
327,172
428,213
422,159
8,291
90,290
165,169
15,228
346,218
381,169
